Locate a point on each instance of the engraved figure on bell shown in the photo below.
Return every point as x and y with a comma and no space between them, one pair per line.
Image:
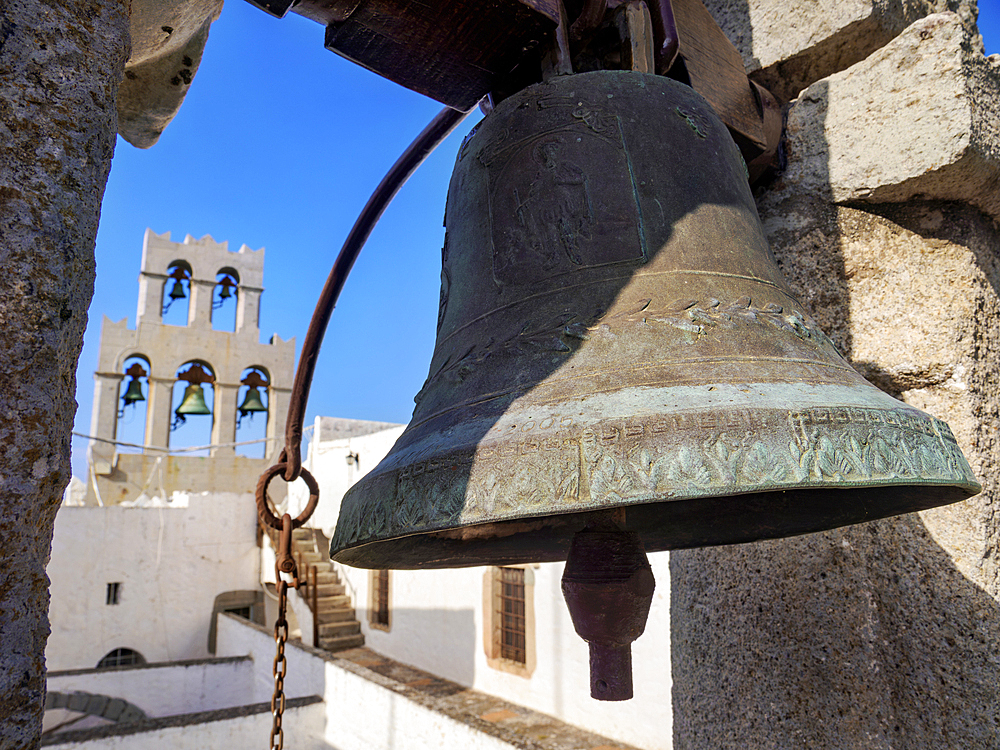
556,207
554,214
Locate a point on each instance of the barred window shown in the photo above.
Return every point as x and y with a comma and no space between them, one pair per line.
511,613
378,612
509,619
121,657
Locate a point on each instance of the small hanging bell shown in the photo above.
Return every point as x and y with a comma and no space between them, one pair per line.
227,284
193,402
252,402
177,291
194,397
133,392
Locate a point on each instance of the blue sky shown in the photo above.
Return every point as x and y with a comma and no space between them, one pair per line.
278,145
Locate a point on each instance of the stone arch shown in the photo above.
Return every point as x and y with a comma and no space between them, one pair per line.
107,707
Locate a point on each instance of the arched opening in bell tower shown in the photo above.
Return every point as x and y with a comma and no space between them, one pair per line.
193,408
224,299
176,297
133,402
252,412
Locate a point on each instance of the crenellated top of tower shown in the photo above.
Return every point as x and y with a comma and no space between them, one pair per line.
205,257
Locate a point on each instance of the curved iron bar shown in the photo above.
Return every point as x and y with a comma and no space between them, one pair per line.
435,132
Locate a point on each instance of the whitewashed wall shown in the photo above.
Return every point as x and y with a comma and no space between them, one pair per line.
166,689
327,460
171,561
437,625
303,727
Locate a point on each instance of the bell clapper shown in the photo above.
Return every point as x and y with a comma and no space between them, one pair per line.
608,586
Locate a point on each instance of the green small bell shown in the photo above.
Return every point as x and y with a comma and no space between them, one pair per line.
252,402
177,292
133,393
194,401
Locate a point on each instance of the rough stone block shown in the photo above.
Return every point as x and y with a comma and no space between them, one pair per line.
168,39
55,700
920,118
789,44
78,701
96,704
131,714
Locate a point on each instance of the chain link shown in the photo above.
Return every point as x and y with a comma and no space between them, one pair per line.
280,667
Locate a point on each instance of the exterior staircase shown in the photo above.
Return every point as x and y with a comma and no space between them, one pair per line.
336,627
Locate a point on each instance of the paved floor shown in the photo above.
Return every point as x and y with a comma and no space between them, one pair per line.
517,725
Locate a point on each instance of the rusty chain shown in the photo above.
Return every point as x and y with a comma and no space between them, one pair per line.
280,668
289,464
284,562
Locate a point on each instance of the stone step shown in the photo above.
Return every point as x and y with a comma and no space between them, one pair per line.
324,577
335,615
326,590
337,601
337,629
341,643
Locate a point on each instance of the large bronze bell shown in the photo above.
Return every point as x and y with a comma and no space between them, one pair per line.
614,333
620,365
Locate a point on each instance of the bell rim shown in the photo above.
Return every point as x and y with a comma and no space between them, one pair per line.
546,536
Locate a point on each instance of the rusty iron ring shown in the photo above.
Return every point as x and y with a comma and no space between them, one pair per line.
264,511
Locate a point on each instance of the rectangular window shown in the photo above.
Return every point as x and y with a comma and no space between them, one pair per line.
509,619
511,613
114,592
378,612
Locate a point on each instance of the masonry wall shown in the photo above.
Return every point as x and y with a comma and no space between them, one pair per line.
363,710
60,63
241,727
881,635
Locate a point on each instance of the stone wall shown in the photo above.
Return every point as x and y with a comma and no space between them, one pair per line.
60,63
885,223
